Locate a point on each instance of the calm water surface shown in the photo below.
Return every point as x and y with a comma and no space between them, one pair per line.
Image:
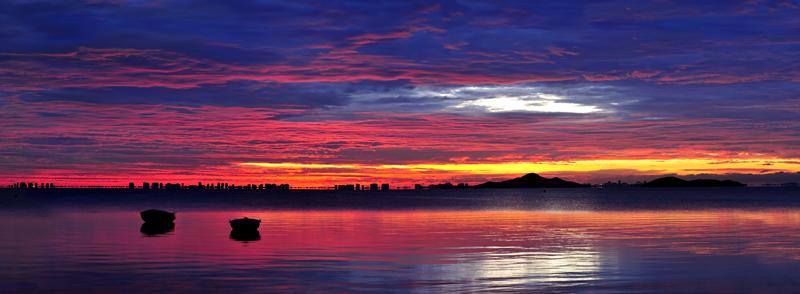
102,250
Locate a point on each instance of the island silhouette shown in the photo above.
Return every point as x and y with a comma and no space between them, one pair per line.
681,183
532,180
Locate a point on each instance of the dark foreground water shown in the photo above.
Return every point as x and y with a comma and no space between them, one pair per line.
572,241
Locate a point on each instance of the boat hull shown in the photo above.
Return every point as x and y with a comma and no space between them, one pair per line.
245,224
156,216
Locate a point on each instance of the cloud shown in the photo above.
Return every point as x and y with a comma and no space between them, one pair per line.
129,140
534,97
180,89
250,94
537,102
365,39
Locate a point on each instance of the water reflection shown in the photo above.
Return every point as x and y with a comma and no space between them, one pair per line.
245,235
452,251
154,229
571,265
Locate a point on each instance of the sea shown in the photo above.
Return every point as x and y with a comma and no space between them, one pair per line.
588,240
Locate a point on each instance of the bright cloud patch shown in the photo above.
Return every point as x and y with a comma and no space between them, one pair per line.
514,98
535,103
491,98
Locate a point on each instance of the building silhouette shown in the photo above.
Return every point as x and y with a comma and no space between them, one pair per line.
348,187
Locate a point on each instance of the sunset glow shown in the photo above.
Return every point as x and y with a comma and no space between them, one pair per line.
667,166
318,94
408,174
467,146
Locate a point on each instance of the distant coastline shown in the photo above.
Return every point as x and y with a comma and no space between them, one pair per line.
530,180
678,182
533,180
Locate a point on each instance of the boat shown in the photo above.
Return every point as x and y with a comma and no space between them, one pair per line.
156,216
245,224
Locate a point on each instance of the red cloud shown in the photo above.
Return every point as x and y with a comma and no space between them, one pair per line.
365,39
205,143
95,68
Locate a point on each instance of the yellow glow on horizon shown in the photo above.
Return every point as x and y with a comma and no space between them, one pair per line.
667,166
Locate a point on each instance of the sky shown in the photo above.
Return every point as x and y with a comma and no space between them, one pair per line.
403,92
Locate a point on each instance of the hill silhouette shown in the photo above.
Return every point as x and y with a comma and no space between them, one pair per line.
532,180
678,182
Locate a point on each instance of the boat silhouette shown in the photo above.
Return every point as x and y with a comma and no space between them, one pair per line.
156,216
245,224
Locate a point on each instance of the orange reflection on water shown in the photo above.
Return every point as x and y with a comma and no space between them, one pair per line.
310,251
727,232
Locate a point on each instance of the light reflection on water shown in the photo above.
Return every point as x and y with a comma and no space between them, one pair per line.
338,250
